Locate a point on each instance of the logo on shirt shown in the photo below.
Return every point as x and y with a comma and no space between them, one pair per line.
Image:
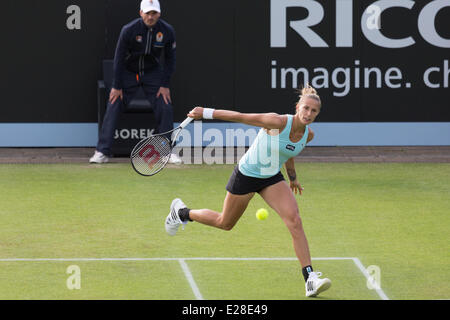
139,39
159,37
290,147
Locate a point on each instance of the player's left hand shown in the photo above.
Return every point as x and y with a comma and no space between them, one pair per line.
296,187
165,93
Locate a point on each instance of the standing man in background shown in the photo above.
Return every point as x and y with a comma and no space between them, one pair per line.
137,64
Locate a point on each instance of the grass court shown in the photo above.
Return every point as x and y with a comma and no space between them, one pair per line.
109,222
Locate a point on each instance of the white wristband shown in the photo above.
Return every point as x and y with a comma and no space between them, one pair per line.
208,113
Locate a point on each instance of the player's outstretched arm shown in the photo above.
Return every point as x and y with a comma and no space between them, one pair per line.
263,120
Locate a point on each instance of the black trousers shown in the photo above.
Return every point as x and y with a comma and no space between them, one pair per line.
150,83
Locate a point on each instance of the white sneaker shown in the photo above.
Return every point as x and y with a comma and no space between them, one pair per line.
314,285
98,157
173,220
174,159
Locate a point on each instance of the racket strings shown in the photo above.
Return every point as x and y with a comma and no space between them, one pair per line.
151,154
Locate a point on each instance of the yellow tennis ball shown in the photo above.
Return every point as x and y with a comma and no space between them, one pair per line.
262,214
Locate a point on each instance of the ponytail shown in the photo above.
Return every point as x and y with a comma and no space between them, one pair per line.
309,92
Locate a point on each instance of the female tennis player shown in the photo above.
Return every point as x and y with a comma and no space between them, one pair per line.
280,139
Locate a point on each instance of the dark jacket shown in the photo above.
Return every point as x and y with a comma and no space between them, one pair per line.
141,49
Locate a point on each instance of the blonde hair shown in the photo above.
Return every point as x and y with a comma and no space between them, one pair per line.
309,92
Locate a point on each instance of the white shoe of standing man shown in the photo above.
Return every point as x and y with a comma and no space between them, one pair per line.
98,157
174,159
314,285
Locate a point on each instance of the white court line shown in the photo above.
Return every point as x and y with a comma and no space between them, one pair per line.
166,259
190,279
87,259
380,292
187,272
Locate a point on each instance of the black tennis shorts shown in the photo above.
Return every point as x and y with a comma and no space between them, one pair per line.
241,184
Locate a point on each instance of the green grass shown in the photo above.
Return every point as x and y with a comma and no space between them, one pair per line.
395,216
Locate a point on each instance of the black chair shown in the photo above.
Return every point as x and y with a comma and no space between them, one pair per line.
136,121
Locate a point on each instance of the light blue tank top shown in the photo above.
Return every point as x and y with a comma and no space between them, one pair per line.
267,154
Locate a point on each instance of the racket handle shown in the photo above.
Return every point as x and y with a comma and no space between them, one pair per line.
186,122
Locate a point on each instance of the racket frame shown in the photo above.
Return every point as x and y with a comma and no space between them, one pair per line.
175,133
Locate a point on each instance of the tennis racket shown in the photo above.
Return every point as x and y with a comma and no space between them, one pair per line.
150,155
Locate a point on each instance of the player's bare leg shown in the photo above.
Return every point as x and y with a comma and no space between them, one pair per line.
233,208
280,197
